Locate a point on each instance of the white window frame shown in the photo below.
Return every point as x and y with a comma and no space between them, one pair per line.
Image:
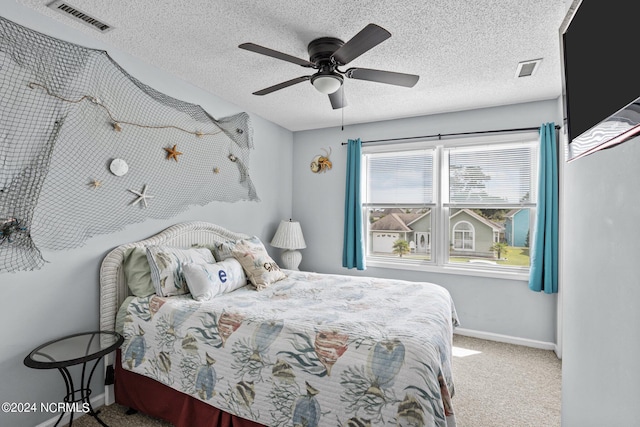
440,235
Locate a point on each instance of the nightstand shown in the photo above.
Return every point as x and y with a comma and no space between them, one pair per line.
72,350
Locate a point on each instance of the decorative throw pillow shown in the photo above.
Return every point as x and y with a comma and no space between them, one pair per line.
222,250
260,268
206,281
137,272
166,267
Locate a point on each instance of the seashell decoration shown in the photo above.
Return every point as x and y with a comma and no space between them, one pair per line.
384,363
357,422
410,412
178,317
206,379
264,336
134,354
446,396
228,324
282,370
164,362
10,228
321,163
329,346
246,391
155,303
306,411
190,343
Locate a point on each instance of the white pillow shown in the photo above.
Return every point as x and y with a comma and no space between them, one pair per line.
206,281
166,267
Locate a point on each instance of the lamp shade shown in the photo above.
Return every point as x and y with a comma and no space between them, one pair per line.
326,83
289,236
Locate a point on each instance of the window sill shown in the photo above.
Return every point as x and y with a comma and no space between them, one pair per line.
475,270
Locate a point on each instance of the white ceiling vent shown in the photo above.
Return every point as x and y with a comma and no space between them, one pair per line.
528,68
75,13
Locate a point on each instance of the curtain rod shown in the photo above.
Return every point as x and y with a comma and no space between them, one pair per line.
440,136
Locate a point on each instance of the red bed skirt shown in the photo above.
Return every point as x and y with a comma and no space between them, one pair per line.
160,401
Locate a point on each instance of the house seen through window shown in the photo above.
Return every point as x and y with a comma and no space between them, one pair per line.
460,203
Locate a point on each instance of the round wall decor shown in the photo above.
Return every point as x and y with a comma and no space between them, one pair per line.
118,167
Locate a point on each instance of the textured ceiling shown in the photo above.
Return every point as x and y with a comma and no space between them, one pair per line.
465,52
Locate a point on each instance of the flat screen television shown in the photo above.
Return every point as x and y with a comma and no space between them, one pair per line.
601,75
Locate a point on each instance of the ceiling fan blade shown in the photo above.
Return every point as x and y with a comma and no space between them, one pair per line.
282,85
369,37
337,99
380,76
275,54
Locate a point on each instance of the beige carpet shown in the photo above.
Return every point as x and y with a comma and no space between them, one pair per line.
506,385
503,385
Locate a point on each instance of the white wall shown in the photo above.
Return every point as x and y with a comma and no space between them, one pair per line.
601,326
496,306
62,297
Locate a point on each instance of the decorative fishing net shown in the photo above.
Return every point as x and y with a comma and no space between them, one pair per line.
66,113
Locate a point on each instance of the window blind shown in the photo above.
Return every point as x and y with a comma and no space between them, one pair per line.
400,178
491,174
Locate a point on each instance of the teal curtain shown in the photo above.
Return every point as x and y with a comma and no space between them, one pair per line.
353,246
544,255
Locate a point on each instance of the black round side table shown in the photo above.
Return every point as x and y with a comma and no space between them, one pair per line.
74,350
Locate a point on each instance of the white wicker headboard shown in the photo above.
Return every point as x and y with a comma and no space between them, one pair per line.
113,287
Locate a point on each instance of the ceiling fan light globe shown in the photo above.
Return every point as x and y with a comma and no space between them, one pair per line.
326,84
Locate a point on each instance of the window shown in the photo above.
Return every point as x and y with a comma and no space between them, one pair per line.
463,239
399,197
466,203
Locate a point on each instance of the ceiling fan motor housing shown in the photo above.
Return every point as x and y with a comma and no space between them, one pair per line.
320,50
326,80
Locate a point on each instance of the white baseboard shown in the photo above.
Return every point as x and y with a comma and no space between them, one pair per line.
96,403
506,339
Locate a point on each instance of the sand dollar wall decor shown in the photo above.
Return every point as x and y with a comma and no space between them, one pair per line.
82,139
118,167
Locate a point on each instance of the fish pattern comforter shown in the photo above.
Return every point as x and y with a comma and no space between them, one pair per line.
311,350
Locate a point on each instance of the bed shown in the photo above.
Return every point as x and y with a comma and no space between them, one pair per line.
306,349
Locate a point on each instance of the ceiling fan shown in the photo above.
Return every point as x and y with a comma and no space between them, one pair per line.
326,54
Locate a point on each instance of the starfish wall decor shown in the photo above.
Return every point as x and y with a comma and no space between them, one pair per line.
142,196
95,184
172,153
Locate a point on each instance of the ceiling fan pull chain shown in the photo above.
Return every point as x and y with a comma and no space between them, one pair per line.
342,110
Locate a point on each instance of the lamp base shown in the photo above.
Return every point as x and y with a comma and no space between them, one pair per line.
291,259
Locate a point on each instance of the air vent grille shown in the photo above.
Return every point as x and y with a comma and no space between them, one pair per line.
527,68
78,15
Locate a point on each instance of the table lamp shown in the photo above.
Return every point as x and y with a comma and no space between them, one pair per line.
289,237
